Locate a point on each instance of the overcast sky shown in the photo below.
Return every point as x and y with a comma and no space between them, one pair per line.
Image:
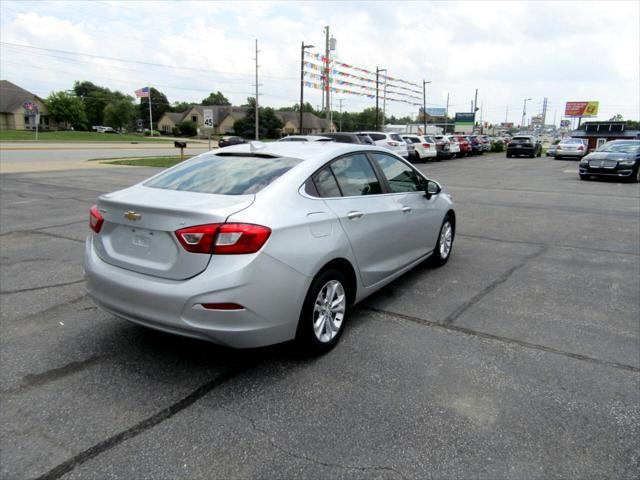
509,51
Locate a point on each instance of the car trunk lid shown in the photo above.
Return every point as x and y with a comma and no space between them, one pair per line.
138,232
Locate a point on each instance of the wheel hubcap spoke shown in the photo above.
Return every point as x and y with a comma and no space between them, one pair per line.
329,311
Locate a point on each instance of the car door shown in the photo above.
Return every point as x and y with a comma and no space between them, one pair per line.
421,218
371,220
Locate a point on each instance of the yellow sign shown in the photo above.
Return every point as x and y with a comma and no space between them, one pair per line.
581,109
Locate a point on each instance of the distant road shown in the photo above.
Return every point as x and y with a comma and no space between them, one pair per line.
36,157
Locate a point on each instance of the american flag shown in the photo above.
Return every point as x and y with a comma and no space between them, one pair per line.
143,92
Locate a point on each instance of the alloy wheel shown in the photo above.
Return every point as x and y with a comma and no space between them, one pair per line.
446,239
329,310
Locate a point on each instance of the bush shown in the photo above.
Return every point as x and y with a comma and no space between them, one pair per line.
175,131
497,146
188,128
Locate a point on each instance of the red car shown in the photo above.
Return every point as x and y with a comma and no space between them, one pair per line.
465,146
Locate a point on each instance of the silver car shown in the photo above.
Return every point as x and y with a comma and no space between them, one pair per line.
258,244
571,148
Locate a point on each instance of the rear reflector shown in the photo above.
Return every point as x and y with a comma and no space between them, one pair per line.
222,306
95,219
223,238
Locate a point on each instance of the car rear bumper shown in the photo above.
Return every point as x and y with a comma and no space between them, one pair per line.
570,153
270,292
521,151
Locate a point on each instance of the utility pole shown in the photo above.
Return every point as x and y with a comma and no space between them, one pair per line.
555,112
544,112
475,108
300,129
257,106
481,124
446,115
524,112
384,97
506,115
340,100
424,104
378,70
326,72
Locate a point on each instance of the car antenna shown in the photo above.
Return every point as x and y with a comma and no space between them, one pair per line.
256,145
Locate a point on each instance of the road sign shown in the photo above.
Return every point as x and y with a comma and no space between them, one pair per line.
30,108
208,118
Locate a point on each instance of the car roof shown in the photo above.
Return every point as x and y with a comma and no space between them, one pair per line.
311,138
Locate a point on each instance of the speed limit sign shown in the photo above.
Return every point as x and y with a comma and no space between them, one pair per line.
208,118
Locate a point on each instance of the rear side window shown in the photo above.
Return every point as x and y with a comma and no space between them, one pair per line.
377,136
342,138
326,184
228,175
355,176
396,137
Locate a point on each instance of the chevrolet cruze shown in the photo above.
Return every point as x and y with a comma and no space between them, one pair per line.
258,244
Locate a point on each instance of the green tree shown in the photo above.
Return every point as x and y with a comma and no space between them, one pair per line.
307,107
159,105
95,98
216,99
67,108
180,107
269,125
119,113
617,118
188,128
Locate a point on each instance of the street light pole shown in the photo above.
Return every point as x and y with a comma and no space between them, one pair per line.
424,104
524,112
302,84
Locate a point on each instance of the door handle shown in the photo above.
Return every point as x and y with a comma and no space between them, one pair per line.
406,209
354,215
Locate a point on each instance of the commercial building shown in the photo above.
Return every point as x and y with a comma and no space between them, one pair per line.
598,133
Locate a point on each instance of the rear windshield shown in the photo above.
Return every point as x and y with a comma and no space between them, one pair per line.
229,175
396,137
577,141
293,139
521,140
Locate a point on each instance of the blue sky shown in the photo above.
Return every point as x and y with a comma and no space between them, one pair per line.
565,51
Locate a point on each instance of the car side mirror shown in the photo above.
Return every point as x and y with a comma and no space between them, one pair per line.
431,188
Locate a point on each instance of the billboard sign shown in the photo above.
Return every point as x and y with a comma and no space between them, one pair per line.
436,112
464,122
581,109
506,124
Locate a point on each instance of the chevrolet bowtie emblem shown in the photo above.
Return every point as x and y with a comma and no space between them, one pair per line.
131,215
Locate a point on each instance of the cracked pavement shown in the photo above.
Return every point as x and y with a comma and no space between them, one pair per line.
518,359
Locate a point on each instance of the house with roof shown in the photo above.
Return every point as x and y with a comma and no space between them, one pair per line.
312,124
224,116
598,133
12,112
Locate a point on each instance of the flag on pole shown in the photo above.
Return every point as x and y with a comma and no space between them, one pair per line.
143,92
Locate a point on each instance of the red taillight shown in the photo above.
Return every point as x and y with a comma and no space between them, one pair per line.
198,239
95,219
223,238
426,145
581,147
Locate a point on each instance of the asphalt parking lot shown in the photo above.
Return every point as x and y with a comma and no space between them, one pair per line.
518,359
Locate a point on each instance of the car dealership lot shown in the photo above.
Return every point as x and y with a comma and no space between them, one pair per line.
520,358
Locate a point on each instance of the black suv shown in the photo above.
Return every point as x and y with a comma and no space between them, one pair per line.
524,145
345,137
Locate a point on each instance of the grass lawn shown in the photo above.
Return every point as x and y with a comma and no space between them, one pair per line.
74,136
148,161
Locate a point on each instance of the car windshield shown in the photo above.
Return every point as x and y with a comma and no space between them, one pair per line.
622,147
223,175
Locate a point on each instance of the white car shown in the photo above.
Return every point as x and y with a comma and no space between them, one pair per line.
454,145
305,138
390,141
425,147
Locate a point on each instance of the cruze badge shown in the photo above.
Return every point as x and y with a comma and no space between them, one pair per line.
131,215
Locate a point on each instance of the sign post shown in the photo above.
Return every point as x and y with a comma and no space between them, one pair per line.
208,123
181,146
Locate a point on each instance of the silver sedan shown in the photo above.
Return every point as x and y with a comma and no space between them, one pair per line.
258,244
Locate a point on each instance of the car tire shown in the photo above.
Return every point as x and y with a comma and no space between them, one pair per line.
557,157
584,177
635,178
444,245
508,155
314,335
